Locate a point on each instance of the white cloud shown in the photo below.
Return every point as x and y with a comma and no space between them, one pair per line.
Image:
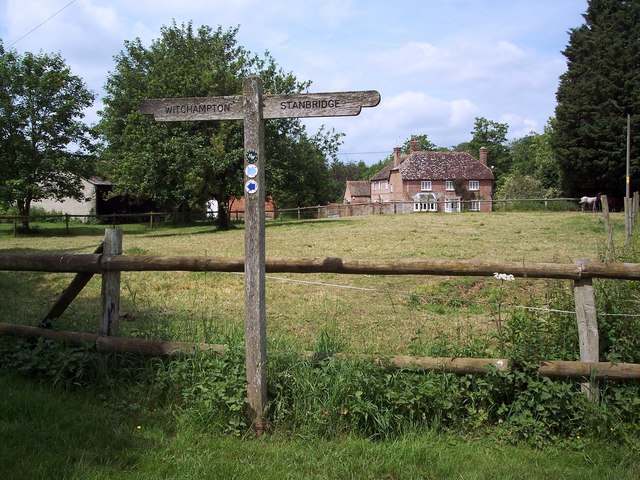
437,64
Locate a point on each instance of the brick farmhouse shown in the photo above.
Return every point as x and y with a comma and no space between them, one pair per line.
431,181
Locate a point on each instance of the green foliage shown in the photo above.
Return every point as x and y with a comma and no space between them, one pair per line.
340,172
518,186
619,339
424,144
297,170
61,364
182,165
493,136
41,107
533,156
338,396
599,89
209,389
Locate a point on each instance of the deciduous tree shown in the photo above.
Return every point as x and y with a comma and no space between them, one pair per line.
181,165
44,144
493,136
532,155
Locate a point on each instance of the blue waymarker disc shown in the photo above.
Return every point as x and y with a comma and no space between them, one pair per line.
251,170
251,186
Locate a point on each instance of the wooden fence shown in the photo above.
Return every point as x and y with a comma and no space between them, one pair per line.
113,218
109,262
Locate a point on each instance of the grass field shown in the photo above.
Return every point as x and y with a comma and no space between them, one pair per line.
370,314
51,434
125,425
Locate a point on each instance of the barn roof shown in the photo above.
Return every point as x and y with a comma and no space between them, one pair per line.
359,188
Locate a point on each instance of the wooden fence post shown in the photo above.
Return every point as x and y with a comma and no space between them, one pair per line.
110,321
254,269
587,328
609,229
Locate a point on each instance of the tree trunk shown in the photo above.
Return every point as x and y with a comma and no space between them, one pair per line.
24,207
223,221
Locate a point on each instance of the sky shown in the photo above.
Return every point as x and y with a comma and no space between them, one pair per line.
438,64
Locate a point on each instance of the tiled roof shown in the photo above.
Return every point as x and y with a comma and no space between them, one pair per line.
359,188
442,166
384,173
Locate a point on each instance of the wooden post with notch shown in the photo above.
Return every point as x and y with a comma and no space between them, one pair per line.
587,329
110,320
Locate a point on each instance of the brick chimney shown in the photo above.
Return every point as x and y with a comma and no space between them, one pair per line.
484,154
396,156
413,146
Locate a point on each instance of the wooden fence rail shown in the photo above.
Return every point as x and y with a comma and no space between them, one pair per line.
110,263
149,347
102,263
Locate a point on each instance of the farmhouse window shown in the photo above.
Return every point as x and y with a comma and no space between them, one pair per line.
474,185
474,206
448,186
452,205
425,185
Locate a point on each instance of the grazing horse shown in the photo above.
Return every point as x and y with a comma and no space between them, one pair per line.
589,202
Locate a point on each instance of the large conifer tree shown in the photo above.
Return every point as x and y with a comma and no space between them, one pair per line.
600,87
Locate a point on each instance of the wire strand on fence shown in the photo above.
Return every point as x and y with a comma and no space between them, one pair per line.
404,293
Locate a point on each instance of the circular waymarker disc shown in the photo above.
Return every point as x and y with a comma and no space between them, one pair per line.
252,156
251,170
251,186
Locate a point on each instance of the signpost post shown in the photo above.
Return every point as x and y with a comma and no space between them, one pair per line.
253,107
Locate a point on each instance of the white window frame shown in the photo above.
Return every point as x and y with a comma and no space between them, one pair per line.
448,185
474,206
452,205
474,185
425,186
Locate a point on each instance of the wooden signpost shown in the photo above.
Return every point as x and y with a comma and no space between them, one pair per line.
253,107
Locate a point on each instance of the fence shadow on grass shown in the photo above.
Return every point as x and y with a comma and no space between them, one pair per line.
52,433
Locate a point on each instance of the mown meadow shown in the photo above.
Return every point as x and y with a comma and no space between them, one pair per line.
135,418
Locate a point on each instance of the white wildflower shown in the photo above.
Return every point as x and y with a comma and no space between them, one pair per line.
504,276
